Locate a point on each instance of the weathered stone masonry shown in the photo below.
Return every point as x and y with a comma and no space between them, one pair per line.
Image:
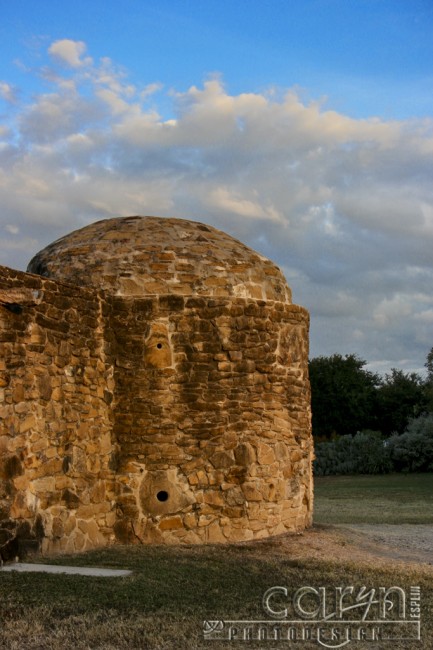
56,486
172,418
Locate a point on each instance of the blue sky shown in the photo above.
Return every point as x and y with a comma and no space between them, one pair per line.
302,128
368,57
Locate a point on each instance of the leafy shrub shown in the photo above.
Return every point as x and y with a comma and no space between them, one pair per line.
370,455
363,453
333,457
412,451
367,452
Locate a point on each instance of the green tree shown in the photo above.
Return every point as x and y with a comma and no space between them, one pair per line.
343,395
400,397
428,384
429,365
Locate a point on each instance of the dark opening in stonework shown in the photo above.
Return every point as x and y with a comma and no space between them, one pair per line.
162,495
159,346
13,307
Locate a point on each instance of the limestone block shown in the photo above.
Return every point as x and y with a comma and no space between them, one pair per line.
40,444
97,492
251,492
265,454
79,541
221,459
190,520
234,512
18,393
4,380
21,482
245,454
170,523
205,520
21,407
86,511
43,485
214,534
240,534
202,478
49,468
213,498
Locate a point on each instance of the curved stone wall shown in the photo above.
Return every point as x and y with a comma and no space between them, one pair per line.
214,434
181,415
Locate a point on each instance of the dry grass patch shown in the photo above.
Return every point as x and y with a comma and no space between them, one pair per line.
173,590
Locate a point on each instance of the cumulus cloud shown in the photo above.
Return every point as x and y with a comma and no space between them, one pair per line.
7,92
344,205
69,52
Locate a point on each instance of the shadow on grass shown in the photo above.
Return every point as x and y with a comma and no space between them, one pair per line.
171,592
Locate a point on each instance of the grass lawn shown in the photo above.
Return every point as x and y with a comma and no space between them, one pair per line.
381,499
163,604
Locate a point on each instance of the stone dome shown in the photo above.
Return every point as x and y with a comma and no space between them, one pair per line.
137,256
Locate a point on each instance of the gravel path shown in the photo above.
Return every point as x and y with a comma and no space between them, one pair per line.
405,541
407,544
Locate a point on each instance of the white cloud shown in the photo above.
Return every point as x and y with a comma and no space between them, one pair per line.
223,199
345,205
150,90
425,316
7,92
13,230
69,52
391,310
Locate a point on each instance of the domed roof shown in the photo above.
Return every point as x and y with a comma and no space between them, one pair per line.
138,256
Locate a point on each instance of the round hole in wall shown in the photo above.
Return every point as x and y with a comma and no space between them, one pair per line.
159,346
162,495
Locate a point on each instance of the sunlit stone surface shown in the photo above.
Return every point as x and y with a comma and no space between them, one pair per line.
154,388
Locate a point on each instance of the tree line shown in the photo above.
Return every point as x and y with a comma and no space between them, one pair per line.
347,398
367,424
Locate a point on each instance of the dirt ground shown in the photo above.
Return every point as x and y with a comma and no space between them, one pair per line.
410,545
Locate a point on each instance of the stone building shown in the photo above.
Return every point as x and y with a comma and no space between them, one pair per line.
153,388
